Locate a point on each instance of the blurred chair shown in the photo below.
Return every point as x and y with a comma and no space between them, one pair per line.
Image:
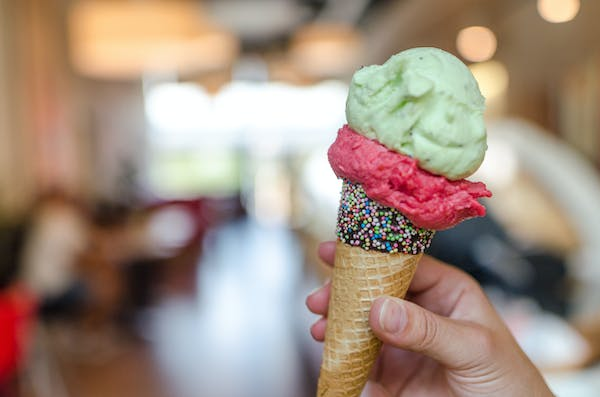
17,314
17,305
151,251
174,232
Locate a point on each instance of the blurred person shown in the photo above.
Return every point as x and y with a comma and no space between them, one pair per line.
58,235
444,339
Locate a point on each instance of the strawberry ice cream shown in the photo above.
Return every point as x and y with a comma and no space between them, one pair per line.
395,180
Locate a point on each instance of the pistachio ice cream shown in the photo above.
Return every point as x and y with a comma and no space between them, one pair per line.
424,103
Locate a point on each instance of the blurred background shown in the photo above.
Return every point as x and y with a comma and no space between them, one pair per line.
164,184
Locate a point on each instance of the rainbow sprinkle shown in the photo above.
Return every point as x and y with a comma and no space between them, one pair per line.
366,223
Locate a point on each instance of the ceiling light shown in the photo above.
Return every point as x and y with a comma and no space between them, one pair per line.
476,43
557,11
124,40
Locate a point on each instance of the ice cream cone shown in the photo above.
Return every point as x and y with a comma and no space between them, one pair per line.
376,254
415,131
351,348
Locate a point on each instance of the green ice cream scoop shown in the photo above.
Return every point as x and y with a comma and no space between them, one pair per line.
425,103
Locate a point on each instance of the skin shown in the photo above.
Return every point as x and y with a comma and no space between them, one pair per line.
445,339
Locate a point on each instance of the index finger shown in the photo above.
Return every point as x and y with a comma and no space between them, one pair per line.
446,290
431,273
326,252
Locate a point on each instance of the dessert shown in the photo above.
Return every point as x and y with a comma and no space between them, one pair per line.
415,131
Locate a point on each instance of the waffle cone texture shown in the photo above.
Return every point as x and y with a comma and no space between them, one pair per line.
351,348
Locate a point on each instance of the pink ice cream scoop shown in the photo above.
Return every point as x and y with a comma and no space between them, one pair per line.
395,180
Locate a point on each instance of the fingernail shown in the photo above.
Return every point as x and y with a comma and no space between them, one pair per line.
391,316
313,291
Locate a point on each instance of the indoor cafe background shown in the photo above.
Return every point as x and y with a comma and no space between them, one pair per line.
164,184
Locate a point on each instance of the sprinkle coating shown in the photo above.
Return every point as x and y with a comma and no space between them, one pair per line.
365,223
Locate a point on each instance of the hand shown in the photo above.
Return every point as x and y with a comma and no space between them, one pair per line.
445,339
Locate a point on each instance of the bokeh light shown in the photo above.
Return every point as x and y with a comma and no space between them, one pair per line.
492,77
476,43
558,11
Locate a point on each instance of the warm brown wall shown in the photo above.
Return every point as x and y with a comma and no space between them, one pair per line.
537,54
16,173
41,148
46,103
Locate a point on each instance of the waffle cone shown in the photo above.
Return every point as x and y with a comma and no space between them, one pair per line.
351,348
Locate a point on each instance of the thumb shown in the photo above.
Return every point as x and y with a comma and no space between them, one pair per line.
455,344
